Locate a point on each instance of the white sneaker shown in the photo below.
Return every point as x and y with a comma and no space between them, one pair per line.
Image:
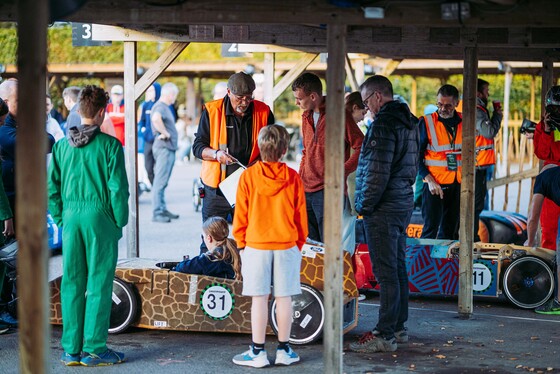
248,358
286,358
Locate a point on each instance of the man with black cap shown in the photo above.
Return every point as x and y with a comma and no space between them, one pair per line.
228,129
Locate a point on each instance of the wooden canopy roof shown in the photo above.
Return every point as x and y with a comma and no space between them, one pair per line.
518,30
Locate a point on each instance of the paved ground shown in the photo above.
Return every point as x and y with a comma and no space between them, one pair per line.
498,339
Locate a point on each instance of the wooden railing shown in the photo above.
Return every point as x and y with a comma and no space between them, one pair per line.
519,165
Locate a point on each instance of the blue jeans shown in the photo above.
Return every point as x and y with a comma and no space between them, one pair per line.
165,160
386,239
315,202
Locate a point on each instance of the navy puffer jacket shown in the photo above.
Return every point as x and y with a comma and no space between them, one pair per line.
388,162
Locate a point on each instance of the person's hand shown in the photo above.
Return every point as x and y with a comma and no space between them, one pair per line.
9,228
435,188
546,126
163,137
223,158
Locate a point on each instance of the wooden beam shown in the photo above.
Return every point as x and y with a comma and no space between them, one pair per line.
334,195
269,72
150,76
531,173
31,203
466,227
131,149
350,74
391,66
535,12
287,79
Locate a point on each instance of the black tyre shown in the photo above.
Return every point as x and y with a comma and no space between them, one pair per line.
308,316
528,282
196,200
124,307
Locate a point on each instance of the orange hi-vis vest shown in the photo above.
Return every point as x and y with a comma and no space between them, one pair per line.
440,143
212,172
484,147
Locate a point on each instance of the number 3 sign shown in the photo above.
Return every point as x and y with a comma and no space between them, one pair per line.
217,301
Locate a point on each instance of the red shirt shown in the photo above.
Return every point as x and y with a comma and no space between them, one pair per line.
546,148
312,167
116,113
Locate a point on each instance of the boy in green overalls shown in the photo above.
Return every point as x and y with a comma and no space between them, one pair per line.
88,199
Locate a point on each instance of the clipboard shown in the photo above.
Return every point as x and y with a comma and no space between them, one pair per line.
229,186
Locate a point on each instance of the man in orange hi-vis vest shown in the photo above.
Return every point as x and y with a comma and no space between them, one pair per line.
486,129
439,166
228,131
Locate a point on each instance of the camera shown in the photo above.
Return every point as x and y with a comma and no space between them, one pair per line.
527,126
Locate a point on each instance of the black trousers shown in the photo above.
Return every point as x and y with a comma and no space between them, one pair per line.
214,204
441,216
149,161
480,190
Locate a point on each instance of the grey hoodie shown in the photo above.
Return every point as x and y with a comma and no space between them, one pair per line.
78,136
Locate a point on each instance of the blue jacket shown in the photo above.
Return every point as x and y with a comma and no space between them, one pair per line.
388,162
206,264
8,153
145,125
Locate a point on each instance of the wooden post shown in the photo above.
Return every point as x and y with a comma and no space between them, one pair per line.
414,97
359,70
334,193
269,73
547,79
351,75
532,110
508,77
31,148
466,228
192,111
131,149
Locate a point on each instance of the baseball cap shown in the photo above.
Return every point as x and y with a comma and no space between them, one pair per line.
117,89
241,84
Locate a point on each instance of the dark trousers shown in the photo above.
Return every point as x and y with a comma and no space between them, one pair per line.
315,202
149,161
386,239
214,204
441,216
480,191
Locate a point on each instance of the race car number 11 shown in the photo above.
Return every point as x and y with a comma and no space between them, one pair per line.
217,301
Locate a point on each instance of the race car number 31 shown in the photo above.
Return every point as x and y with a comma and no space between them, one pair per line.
217,301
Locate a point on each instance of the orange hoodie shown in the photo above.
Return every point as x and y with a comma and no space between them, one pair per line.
270,211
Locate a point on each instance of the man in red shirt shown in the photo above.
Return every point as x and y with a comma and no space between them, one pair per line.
547,148
308,92
115,111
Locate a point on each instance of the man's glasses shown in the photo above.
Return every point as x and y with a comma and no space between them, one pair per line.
247,98
445,106
367,98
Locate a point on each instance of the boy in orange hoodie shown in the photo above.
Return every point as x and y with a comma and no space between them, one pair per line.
270,227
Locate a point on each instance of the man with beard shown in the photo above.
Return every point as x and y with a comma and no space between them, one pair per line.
439,165
486,129
228,130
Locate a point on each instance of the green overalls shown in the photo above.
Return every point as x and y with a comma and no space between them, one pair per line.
88,199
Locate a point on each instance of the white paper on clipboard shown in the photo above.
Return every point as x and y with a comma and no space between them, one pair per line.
229,186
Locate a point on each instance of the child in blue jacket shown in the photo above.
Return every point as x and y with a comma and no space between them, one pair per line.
221,260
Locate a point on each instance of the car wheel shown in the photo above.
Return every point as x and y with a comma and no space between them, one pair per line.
124,306
528,282
308,316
